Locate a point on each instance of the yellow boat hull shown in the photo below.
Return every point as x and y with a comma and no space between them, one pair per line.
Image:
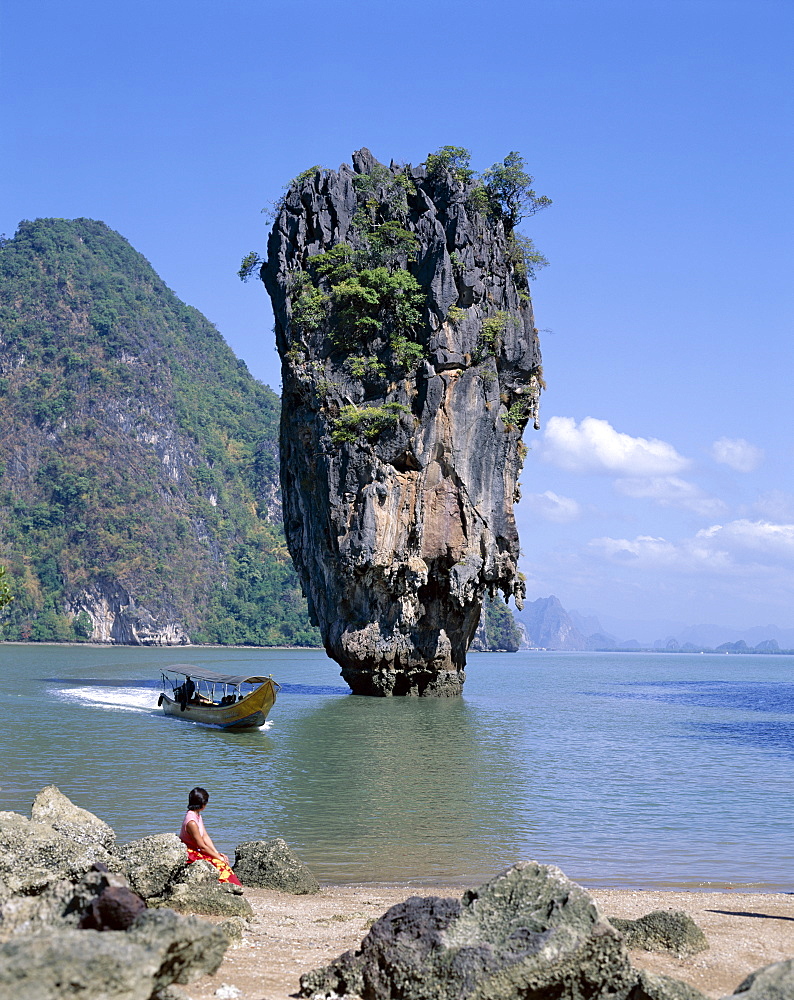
250,713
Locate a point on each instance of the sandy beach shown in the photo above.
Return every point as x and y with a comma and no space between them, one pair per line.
290,935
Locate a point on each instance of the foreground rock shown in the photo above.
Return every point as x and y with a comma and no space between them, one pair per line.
100,900
530,932
160,949
33,854
152,863
199,891
663,930
773,982
410,365
270,864
54,809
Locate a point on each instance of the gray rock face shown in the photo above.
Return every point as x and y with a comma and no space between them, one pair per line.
197,890
160,949
529,932
52,807
54,907
187,947
152,863
270,864
67,904
773,982
400,435
651,986
663,930
33,855
87,964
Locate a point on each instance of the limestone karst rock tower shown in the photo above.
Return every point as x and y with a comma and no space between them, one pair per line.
410,369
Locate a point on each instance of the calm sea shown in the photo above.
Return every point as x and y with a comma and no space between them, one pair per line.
623,769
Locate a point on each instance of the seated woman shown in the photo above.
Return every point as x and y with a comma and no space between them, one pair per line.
198,842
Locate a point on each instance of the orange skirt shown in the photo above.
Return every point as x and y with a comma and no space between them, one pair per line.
225,874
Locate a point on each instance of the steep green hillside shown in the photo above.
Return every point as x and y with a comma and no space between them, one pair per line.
497,631
138,457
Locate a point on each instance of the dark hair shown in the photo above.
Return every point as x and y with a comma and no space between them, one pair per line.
198,798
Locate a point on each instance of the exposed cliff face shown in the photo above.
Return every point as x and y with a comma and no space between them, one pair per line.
116,618
410,369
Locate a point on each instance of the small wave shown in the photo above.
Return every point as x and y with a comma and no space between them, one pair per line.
125,699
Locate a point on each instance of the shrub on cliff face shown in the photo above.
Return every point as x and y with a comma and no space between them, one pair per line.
365,421
373,300
504,191
455,159
509,187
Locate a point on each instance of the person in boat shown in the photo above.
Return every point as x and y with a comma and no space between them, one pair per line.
184,693
198,842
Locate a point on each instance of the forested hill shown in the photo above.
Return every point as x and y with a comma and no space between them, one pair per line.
138,457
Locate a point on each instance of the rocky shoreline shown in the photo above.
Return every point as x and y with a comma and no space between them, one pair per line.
81,915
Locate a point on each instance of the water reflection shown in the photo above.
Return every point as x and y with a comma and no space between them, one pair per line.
397,782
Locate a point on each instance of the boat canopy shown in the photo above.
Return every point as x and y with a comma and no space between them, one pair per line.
202,674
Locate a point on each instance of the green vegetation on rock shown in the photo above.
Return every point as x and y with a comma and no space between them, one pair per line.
498,631
139,466
365,421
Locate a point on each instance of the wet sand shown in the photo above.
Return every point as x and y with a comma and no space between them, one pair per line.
290,935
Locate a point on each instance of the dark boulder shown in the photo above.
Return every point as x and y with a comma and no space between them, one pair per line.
270,864
114,909
530,932
772,982
663,930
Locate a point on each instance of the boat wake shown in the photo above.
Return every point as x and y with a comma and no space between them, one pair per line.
113,699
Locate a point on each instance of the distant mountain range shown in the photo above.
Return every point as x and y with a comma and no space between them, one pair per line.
550,626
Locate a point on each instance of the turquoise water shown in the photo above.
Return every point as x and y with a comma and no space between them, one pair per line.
623,769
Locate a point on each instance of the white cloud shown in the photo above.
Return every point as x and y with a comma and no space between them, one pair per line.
595,446
553,507
775,505
670,491
734,547
648,553
754,538
737,453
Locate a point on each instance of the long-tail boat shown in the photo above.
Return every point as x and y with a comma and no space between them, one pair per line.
228,701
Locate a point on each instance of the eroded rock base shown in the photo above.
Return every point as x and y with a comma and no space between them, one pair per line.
410,682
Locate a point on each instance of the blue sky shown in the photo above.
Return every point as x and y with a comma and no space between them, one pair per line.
660,485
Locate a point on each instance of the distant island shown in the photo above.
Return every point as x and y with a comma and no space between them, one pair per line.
549,626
